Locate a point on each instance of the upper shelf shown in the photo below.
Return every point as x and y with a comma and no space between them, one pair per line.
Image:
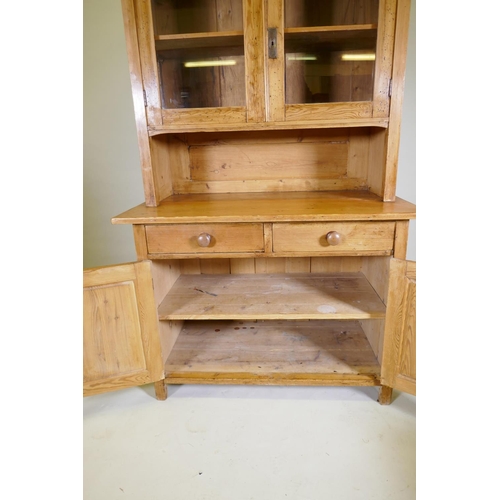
194,40
269,207
229,38
326,34
351,28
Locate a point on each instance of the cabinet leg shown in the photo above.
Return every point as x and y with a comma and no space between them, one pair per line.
385,395
161,390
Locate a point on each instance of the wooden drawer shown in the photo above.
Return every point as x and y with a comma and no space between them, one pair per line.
224,238
355,238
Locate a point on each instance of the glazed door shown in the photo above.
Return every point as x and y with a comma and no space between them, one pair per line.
331,59
210,62
201,61
399,360
121,344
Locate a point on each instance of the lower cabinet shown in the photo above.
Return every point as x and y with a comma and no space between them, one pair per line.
271,321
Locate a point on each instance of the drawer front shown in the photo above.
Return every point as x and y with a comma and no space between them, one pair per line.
367,238
204,238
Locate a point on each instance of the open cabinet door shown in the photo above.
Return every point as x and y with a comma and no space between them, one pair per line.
121,345
399,359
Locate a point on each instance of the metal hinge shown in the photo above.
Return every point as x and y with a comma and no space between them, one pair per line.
145,98
390,87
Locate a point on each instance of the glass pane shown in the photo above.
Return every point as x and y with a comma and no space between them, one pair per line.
200,53
330,50
173,17
325,73
202,77
301,13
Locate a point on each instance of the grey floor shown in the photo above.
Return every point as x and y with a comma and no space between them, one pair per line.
253,442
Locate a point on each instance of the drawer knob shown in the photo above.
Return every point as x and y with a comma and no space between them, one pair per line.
333,238
204,239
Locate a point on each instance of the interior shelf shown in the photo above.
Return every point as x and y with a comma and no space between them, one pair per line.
193,40
271,296
332,33
320,29
296,351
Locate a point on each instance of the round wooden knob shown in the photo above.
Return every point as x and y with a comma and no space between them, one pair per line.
204,239
333,238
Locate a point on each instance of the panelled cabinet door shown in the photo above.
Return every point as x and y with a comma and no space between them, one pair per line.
399,360
121,345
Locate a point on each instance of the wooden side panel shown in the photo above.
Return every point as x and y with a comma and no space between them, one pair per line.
376,271
150,77
399,359
152,197
384,53
377,169
141,247
165,274
121,346
398,83
161,170
401,239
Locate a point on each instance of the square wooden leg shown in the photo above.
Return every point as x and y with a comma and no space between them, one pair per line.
385,395
161,390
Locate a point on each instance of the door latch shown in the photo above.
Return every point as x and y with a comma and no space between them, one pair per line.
272,43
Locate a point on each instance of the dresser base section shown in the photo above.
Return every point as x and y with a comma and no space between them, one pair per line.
317,352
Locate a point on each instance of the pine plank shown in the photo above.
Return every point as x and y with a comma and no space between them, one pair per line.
189,120
259,352
190,40
269,207
272,296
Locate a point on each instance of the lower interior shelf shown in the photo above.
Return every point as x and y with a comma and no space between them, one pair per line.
314,352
